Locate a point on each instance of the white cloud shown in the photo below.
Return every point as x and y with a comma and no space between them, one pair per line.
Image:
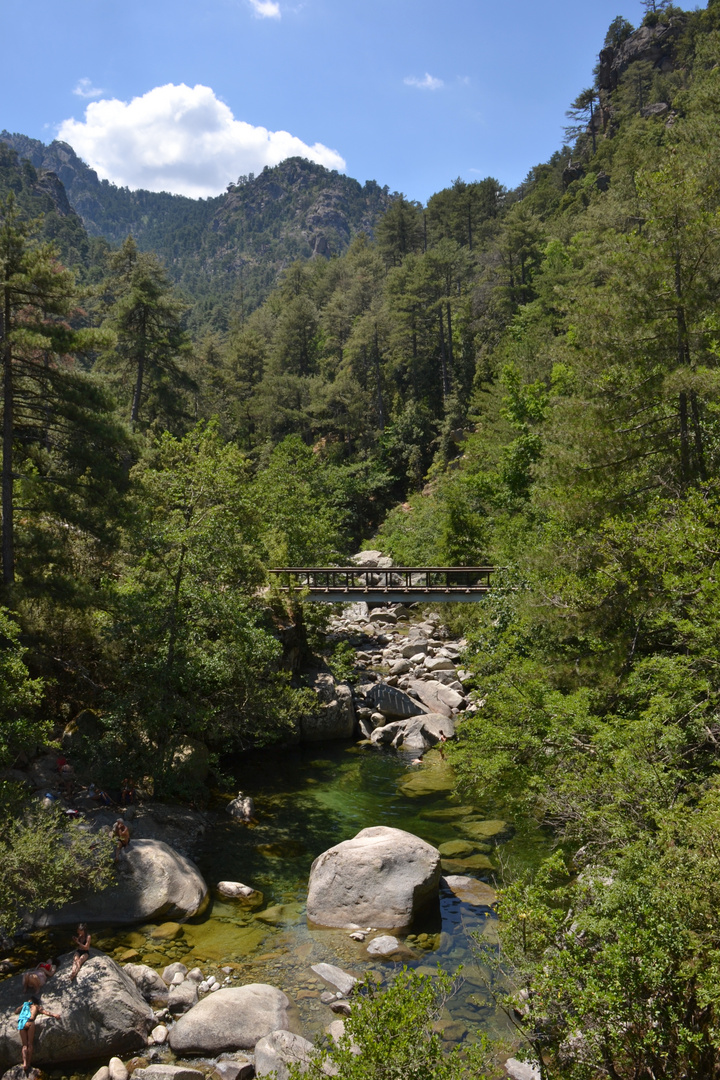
85,89
181,139
266,9
428,82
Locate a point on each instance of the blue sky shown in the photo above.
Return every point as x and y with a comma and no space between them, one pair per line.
411,93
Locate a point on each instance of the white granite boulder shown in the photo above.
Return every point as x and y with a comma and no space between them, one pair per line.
277,1052
102,1014
153,882
383,877
233,1019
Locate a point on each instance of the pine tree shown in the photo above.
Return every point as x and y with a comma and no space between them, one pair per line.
150,341
57,438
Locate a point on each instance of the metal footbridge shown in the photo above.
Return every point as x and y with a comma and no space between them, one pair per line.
376,585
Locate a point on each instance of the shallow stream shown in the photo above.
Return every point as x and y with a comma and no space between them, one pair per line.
306,801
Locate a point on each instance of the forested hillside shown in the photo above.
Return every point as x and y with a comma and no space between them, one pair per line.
525,378
227,251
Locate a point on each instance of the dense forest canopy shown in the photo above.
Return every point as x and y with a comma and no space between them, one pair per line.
527,378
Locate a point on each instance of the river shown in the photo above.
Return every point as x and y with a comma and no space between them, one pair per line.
308,799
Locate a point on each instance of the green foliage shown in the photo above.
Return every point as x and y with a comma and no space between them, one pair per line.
390,1036
147,337
342,662
195,657
20,728
301,522
45,861
619,964
62,448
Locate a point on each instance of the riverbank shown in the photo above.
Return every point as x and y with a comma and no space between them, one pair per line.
304,804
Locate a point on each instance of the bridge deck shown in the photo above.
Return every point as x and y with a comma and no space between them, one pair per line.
377,585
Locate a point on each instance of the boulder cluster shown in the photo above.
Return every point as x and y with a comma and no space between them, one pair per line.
412,687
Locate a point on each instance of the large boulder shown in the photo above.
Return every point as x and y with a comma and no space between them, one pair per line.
334,716
233,1019
102,1014
277,1052
390,701
382,877
372,558
415,733
436,696
153,882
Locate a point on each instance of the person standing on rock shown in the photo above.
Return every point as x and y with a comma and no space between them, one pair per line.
82,939
29,1012
122,835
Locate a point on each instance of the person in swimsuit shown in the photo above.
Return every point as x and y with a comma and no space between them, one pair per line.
34,981
82,939
122,835
29,1012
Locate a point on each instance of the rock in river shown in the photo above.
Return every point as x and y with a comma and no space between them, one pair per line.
382,877
384,945
436,697
469,890
336,977
392,702
148,982
101,1014
277,1052
233,1019
153,882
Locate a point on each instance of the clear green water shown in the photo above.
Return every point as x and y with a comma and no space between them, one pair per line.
308,799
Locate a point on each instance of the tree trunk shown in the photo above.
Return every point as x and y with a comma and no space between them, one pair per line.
172,641
697,432
378,382
451,358
135,410
684,439
443,356
8,544
137,395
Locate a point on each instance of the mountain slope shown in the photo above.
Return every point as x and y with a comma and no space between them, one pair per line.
234,244
40,194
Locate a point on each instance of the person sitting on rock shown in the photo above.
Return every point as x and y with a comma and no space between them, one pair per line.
82,939
29,1012
127,792
34,981
99,795
122,835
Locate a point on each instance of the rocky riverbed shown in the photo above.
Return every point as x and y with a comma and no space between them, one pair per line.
197,968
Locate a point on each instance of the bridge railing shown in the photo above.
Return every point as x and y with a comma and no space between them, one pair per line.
407,579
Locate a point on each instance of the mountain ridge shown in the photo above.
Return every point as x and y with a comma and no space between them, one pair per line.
238,242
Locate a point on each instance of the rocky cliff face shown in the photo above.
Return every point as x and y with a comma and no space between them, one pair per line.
656,45
41,194
320,210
